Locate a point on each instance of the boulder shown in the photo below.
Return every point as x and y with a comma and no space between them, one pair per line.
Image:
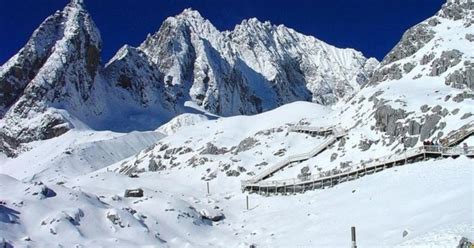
133,192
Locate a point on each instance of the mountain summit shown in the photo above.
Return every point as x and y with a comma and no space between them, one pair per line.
56,82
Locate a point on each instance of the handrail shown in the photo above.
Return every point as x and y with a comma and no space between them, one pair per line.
256,181
310,128
372,165
293,158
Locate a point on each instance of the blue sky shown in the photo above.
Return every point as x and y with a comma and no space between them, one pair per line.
370,26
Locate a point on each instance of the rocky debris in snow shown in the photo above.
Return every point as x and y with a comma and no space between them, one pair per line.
414,128
304,174
342,142
212,215
261,164
155,166
429,126
387,73
461,79
114,217
196,160
280,152
470,37
232,173
412,40
133,192
464,243
334,157
427,58
245,145
456,10
408,67
365,144
116,198
386,119
466,115
447,60
433,21
211,149
270,131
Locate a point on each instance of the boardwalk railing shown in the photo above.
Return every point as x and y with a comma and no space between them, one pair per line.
464,132
337,133
363,168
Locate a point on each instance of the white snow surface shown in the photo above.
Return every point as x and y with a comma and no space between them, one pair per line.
75,153
431,200
69,190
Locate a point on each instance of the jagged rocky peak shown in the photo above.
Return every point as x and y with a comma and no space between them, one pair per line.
17,72
243,71
437,47
56,68
178,28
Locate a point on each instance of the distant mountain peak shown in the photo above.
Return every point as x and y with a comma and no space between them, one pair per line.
190,13
254,68
77,4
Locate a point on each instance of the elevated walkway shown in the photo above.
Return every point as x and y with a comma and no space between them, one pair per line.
335,134
258,184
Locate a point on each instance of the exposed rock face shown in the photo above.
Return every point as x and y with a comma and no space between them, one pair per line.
57,68
457,9
245,145
429,126
462,78
413,39
427,47
387,73
255,67
386,119
211,149
400,125
57,77
447,60
131,71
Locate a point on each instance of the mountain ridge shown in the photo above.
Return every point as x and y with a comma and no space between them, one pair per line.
58,82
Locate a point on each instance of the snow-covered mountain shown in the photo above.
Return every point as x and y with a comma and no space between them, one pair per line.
57,69
56,82
421,90
257,66
391,114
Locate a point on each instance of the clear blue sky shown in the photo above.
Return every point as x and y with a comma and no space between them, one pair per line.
371,26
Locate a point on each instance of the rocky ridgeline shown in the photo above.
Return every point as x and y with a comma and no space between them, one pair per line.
424,49
439,47
58,77
57,67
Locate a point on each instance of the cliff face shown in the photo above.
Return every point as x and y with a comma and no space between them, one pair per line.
255,67
423,87
440,46
57,68
56,82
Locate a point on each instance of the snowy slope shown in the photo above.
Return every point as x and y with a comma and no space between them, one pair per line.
75,153
383,118
422,90
416,198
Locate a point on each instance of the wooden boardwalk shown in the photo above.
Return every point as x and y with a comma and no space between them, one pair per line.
258,185
333,133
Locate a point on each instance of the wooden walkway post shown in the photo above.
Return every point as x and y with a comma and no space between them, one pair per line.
353,237
247,201
208,187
